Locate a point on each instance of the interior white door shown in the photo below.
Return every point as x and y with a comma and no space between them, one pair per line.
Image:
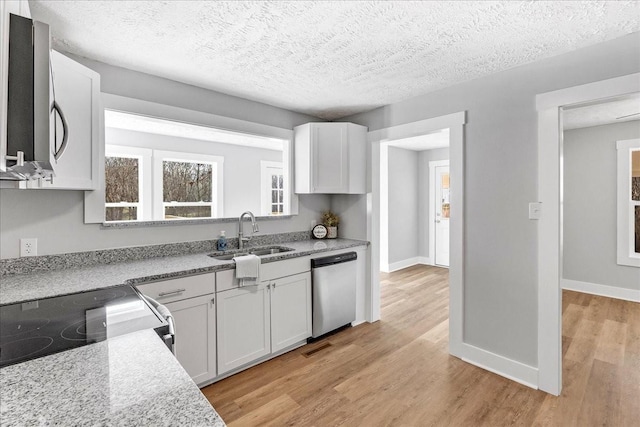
443,210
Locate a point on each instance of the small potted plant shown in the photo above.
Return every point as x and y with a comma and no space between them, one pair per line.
331,220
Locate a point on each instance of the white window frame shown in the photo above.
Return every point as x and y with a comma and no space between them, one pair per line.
217,163
626,227
144,156
265,180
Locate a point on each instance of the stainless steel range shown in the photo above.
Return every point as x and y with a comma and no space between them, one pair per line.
33,329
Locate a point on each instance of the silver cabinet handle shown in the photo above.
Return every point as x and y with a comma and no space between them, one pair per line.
177,291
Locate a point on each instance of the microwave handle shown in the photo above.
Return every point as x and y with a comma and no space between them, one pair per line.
65,131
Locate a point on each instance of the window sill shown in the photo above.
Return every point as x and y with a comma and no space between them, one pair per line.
174,222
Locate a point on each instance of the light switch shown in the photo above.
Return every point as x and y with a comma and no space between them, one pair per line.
534,210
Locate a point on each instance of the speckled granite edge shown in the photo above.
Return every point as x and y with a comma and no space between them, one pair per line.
135,224
24,265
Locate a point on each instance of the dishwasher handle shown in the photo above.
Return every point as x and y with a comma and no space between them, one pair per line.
334,259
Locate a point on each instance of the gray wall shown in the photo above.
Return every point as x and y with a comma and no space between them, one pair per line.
349,208
403,204
56,217
500,253
590,223
424,204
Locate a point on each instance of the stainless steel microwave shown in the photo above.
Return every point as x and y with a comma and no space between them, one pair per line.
30,102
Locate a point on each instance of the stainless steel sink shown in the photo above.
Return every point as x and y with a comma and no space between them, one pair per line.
270,250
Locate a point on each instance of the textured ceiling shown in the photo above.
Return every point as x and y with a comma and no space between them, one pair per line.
329,59
602,113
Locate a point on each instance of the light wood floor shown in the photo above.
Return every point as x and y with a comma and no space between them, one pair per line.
398,372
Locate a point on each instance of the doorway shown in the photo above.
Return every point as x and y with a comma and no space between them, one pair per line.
410,199
378,140
550,223
440,211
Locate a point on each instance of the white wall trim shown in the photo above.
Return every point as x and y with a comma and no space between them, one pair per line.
625,223
455,123
384,208
550,223
399,265
432,205
409,262
508,368
602,290
425,260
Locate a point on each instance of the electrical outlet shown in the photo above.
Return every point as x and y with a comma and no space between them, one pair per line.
28,247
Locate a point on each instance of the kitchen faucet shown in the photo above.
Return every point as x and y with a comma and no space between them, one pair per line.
242,239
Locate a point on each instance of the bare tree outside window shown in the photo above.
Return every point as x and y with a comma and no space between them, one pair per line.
187,189
122,188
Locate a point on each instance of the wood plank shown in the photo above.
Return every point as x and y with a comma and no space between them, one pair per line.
611,342
270,414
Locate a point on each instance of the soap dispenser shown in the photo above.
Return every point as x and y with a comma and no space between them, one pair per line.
222,242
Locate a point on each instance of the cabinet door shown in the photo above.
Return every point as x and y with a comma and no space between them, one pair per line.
195,341
330,158
243,326
77,92
290,310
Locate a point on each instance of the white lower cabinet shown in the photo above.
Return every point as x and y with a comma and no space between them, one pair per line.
243,326
192,303
195,345
256,321
290,310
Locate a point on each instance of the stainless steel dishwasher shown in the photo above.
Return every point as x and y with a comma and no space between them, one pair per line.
334,292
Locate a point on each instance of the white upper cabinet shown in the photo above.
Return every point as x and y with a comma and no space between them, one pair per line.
330,158
77,94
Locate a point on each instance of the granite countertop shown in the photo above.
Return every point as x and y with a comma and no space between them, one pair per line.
127,380
44,284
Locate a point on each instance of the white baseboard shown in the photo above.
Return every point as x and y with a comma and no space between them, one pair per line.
508,368
425,260
395,266
399,265
602,290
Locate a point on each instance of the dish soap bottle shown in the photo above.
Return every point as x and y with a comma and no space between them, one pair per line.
222,242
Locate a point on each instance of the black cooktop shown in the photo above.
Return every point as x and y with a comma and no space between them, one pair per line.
34,329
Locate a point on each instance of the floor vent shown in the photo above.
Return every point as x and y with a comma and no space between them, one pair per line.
317,349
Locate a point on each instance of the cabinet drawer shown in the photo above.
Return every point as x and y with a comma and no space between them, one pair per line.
226,279
178,289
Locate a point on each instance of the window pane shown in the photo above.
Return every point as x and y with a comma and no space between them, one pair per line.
635,175
280,181
173,212
186,182
121,180
280,208
274,181
274,196
125,213
445,180
281,194
637,227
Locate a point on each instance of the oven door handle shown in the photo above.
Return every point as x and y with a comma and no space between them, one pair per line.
170,338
